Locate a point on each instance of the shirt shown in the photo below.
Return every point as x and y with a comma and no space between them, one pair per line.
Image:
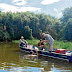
39,44
49,37
22,41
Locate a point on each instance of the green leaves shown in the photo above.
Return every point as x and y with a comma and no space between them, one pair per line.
66,24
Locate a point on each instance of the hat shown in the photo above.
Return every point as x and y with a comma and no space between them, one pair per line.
43,34
22,37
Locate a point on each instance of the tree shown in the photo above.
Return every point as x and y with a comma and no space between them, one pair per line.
4,36
28,24
67,13
27,32
68,30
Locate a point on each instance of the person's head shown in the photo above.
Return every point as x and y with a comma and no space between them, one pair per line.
43,35
40,39
22,37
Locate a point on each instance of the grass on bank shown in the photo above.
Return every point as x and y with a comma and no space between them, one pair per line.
31,42
57,44
63,45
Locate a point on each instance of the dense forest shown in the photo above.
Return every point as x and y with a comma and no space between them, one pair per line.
31,25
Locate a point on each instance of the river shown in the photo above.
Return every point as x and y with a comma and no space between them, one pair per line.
13,60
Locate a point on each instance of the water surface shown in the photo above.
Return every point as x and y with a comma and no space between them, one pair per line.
13,60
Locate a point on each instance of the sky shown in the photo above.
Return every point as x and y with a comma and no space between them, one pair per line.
50,7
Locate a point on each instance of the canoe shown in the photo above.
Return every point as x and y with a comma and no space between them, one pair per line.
30,48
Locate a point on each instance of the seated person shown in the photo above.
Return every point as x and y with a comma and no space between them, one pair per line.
23,42
41,45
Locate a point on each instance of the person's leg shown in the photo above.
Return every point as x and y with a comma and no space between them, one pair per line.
50,47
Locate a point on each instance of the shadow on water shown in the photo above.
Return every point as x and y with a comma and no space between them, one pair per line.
12,59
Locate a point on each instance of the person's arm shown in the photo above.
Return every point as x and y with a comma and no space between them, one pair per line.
45,40
26,42
39,45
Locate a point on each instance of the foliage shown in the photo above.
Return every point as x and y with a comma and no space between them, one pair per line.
66,24
68,30
31,25
31,42
27,24
57,44
4,36
28,32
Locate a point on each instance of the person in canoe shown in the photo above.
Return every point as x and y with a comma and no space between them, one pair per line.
49,39
41,45
23,42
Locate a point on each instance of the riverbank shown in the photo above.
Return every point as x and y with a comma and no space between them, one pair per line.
57,44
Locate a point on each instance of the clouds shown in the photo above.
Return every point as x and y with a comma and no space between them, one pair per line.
51,7
56,10
46,2
19,2
58,14
18,6
6,8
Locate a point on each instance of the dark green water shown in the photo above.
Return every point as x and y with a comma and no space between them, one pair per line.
13,60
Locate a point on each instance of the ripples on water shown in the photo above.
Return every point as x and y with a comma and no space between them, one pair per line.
13,60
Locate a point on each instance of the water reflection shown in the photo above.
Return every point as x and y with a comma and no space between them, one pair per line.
47,64
13,60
